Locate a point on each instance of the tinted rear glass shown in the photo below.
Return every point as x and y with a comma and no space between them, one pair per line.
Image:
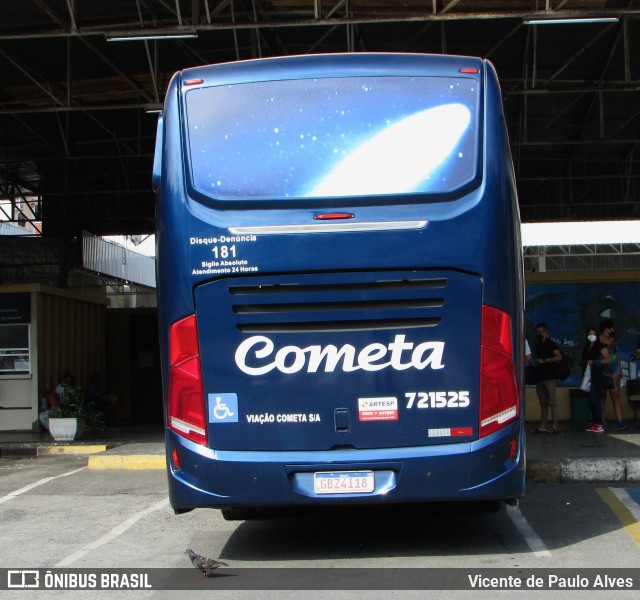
332,137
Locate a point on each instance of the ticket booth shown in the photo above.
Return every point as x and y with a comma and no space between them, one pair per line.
45,332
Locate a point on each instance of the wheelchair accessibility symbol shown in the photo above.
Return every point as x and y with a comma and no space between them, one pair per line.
223,408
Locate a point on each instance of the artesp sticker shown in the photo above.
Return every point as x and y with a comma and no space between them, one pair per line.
378,409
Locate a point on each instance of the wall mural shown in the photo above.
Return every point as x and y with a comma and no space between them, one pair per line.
570,308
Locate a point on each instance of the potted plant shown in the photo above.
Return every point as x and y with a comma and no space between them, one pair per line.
72,413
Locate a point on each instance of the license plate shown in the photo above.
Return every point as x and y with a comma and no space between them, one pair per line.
344,482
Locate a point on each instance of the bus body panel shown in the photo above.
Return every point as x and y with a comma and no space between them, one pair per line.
329,350
413,474
356,359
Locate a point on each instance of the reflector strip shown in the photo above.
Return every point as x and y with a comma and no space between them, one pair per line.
451,432
461,431
329,228
185,427
175,459
513,448
501,417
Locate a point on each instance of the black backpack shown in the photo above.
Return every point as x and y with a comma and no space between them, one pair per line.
565,366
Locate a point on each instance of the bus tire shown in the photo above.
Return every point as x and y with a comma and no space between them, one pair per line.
486,506
239,514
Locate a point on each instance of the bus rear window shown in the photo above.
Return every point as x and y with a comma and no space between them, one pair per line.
333,137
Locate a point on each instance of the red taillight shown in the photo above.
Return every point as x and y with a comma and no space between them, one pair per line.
186,409
175,459
513,448
499,393
183,340
496,330
334,216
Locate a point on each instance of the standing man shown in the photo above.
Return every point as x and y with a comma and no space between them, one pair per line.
548,357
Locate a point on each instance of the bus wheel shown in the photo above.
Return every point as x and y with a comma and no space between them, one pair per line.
239,514
486,506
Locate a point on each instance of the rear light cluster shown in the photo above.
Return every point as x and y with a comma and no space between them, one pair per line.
499,391
186,409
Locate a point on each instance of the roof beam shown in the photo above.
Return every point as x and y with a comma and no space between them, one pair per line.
134,84
53,15
133,28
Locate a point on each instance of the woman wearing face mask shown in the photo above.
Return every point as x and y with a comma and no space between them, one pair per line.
595,354
591,336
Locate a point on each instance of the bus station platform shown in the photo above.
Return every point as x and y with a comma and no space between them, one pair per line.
571,455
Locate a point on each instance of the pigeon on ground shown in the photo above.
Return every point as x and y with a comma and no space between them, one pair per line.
206,565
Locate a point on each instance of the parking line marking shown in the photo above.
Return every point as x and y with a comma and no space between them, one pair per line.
626,496
625,508
534,541
113,534
26,488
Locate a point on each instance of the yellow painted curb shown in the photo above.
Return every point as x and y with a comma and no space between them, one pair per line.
56,450
133,462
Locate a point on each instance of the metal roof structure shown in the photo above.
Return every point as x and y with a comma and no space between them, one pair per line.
77,137
582,257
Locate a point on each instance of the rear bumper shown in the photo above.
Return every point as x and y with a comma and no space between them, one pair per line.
479,470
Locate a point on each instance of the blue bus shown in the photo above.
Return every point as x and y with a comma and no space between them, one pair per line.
340,287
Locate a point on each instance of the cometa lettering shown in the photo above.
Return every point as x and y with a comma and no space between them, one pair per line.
257,356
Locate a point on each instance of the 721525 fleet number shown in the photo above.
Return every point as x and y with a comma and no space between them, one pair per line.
437,399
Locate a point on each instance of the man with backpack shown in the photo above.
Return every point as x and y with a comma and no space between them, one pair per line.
548,358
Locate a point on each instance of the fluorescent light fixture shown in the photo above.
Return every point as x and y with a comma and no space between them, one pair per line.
570,21
580,233
151,36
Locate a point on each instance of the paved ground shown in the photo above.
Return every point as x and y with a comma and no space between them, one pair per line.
120,519
572,455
